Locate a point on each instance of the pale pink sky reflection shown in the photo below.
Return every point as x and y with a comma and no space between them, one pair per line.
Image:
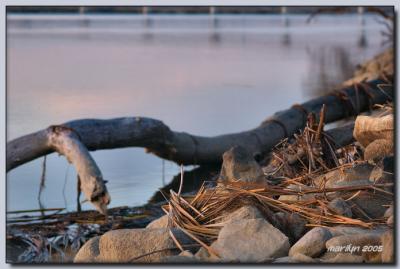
191,80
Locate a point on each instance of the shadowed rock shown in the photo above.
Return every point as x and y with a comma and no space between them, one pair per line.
251,240
312,243
239,165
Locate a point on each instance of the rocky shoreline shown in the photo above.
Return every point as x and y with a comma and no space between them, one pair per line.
308,201
250,235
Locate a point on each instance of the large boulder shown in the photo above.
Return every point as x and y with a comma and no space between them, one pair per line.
312,244
239,165
126,245
251,240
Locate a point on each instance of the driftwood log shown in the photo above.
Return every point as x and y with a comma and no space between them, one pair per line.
73,139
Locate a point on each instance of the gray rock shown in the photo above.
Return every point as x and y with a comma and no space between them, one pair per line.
340,206
296,225
371,203
344,258
88,252
244,212
292,224
388,247
361,174
352,244
312,243
125,245
251,240
159,223
239,165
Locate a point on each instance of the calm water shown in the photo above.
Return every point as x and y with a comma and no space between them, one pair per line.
201,74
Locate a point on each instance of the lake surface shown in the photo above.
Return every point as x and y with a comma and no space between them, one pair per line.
202,74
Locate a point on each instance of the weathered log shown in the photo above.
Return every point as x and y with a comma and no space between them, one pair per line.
184,148
66,142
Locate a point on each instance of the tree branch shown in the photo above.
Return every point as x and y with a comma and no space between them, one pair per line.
184,148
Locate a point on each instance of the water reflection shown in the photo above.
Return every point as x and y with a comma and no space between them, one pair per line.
362,41
286,39
206,75
215,36
328,69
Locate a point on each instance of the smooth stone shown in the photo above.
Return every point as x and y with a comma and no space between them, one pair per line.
126,245
312,243
251,240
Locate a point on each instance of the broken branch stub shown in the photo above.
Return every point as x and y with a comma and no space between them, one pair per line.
67,142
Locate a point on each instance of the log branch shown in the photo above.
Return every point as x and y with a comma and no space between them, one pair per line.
67,142
184,148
